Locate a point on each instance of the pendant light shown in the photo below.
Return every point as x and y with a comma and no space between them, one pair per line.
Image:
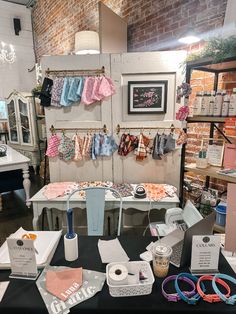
87,42
190,37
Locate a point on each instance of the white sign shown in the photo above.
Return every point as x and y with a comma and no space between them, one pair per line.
22,258
205,254
215,154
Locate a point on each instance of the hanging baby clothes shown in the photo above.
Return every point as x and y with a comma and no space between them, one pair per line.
131,142
141,152
66,148
46,92
86,97
107,145
170,144
56,91
156,144
72,93
162,139
95,95
65,91
80,88
182,139
128,143
122,145
78,147
105,88
87,146
52,149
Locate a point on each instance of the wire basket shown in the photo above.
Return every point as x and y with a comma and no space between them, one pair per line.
128,290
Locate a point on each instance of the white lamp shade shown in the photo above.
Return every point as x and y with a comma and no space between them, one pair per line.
87,42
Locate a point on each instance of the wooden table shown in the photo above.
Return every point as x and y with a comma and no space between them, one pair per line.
39,202
13,161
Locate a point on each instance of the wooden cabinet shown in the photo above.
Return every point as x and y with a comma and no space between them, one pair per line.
22,126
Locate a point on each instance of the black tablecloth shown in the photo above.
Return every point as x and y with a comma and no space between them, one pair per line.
23,296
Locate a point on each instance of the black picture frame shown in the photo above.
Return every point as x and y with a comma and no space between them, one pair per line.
147,97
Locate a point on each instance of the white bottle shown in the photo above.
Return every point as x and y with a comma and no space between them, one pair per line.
196,104
211,104
232,103
225,106
218,104
205,104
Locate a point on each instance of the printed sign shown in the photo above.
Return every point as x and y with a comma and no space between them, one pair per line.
205,254
22,258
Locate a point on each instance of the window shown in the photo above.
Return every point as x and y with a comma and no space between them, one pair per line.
3,110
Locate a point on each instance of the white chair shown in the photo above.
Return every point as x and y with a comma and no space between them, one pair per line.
95,207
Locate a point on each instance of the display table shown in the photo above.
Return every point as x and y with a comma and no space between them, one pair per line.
13,161
22,296
39,202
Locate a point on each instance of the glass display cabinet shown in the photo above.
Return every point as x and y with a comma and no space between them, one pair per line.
23,128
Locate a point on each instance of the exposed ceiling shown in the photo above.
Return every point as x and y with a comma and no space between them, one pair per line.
27,3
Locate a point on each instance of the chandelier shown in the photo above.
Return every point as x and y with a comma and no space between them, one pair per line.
7,53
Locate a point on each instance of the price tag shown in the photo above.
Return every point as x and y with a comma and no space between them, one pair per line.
205,254
22,258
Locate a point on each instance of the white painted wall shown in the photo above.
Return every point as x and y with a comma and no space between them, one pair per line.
16,75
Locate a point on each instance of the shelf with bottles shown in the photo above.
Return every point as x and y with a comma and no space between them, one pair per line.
215,105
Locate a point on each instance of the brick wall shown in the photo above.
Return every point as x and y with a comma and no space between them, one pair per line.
152,24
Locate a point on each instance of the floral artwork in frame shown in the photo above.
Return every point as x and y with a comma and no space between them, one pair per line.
147,97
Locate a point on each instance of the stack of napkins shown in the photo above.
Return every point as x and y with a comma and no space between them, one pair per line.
45,245
112,251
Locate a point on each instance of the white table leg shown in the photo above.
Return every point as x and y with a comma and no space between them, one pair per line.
49,217
26,184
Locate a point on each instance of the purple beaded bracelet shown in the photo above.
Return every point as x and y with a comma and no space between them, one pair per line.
174,297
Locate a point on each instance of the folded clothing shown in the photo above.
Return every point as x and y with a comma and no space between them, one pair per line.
56,189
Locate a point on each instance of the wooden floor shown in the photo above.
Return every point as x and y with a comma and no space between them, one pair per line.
15,213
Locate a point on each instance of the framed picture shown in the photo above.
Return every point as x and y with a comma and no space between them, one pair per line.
147,97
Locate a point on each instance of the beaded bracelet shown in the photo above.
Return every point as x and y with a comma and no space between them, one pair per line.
228,300
212,297
193,299
174,297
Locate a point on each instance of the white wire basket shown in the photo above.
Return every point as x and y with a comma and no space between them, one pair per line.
142,287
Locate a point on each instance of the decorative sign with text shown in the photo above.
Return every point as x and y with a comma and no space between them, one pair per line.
205,254
22,258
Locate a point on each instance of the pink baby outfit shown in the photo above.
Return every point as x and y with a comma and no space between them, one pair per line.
95,91
78,147
87,146
106,87
52,150
86,97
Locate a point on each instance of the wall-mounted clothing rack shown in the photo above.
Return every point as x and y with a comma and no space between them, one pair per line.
119,128
103,129
75,72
